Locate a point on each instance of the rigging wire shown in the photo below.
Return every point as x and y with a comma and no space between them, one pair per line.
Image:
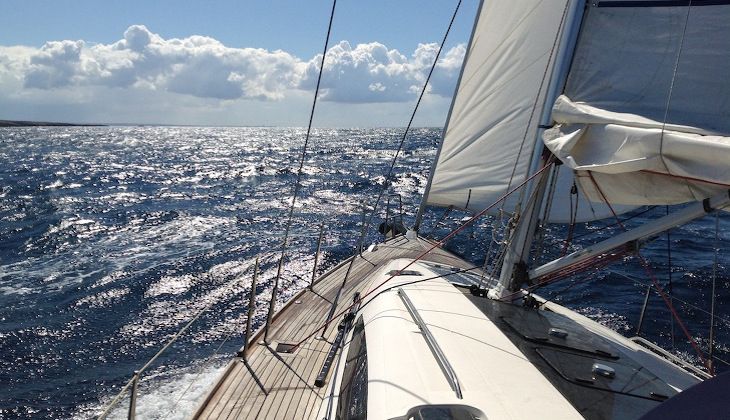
671,91
537,99
711,339
602,228
555,173
200,372
669,278
437,244
298,183
386,183
573,215
725,320
642,285
647,268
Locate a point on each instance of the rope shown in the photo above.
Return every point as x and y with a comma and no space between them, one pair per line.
597,261
298,183
386,184
711,340
149,362
650,273
671,90
669,275
686,178
546,212
650,208
438,244
537,99
200,372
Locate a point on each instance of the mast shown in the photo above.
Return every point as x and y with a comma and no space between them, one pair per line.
519,246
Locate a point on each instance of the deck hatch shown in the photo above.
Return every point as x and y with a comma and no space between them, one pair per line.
544,329
621,377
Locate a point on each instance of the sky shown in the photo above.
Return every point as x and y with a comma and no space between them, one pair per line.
228,62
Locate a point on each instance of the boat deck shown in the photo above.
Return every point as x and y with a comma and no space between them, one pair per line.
274,385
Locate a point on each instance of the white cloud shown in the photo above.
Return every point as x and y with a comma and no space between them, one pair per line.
373,73
54,65
202,67
197,65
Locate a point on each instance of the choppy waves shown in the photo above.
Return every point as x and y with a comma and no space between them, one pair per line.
114,237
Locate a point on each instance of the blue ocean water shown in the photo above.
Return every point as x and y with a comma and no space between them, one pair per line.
112,238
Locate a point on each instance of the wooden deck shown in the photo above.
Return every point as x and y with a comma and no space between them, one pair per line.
271,385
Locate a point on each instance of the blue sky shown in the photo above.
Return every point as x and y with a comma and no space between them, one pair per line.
140,61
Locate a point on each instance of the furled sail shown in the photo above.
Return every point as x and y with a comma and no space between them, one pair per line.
492,127
645,116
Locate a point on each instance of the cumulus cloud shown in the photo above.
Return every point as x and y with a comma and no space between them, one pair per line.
203,67
373,73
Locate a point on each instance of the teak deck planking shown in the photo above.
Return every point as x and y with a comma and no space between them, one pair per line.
271,385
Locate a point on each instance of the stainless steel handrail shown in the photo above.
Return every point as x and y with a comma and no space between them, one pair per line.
669,356
432,344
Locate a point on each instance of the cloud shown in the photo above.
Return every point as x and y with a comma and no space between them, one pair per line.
202,67
54,65
198,66
373,73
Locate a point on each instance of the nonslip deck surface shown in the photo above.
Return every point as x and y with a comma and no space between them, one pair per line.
271,385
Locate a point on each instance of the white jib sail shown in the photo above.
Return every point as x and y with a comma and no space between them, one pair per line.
492,128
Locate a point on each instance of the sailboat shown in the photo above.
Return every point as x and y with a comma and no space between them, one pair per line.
566,111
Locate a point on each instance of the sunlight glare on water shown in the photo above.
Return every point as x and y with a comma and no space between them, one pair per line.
113,238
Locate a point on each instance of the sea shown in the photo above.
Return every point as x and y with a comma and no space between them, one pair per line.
112,239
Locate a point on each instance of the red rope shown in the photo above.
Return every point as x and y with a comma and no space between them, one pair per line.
438,244
686,178
668,302
597,261
656,285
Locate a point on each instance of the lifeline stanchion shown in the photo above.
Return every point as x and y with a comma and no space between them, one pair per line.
298,183
251,311
316,256
331,313
362,230
272,302
132,414
643,310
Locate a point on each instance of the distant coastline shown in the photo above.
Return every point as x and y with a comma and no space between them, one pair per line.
11,123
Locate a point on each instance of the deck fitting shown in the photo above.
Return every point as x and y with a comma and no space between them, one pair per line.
285,347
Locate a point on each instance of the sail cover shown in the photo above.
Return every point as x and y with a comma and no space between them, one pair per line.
492,127
645,118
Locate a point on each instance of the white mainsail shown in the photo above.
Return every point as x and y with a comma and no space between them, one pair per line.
645,108
645,115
